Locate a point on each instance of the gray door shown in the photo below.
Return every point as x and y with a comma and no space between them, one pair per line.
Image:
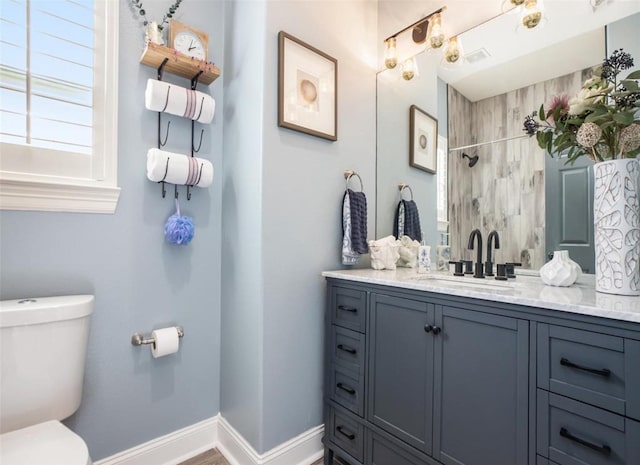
569,210
481,388
400,395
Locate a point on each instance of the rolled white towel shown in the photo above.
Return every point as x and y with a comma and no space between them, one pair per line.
180,101
176,168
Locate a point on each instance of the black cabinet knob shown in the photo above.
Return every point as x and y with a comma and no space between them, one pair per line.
432,329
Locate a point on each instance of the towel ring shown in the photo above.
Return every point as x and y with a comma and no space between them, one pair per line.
348,174
402,187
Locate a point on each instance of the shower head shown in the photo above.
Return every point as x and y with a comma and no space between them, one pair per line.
472,160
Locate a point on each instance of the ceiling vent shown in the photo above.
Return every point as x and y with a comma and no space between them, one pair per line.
476,56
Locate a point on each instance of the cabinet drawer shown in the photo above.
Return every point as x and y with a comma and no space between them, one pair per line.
570,432
348,308
347,348
347,433
384,452
590,367
346,387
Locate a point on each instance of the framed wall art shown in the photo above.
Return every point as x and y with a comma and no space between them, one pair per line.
423,140
307,88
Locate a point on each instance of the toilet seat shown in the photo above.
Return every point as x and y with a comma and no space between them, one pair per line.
48,443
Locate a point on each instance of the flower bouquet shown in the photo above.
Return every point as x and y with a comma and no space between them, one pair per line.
601,122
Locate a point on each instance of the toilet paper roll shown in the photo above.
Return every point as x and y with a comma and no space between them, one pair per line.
166,342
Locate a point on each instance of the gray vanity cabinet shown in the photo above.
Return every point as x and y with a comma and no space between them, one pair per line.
481,380
401,368
442,383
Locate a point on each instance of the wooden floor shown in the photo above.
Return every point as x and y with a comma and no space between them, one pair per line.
214,457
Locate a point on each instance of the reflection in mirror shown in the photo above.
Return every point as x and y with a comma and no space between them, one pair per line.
483,102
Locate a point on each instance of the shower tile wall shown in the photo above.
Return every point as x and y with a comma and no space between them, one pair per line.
505,189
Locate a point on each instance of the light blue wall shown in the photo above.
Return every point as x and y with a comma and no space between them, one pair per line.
302,195
242,279
281,218
394,98
140,282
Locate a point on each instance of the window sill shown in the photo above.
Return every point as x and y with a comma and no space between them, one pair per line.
57,195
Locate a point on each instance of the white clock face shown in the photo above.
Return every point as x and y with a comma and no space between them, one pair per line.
190,44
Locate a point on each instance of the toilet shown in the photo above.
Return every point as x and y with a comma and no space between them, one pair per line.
43,344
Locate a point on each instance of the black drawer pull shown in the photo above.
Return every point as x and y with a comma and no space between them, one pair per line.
604,372
346,389
345,433
348,349
435,329
344,308
606,450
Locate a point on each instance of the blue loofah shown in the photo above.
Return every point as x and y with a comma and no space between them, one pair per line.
179,229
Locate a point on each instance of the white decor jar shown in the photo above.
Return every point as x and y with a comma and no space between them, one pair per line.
561,270
617,226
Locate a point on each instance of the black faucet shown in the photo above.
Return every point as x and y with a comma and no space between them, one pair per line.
488,266
476,234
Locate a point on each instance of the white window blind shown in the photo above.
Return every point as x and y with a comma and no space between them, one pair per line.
58,96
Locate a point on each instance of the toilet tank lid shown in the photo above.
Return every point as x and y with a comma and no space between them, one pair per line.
37,310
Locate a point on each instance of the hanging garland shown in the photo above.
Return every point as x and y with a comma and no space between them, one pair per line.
167,16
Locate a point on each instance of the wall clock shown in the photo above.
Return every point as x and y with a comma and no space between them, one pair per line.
188,40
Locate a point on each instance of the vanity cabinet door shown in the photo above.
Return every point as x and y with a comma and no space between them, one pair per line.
400,389
481,388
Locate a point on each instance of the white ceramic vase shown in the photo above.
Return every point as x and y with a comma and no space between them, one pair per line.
617,227
561,270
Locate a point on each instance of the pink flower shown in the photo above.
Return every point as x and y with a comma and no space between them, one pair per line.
560,102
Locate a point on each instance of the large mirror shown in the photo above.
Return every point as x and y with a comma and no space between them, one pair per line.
536,203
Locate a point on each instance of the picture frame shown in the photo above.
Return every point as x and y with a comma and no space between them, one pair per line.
423,140
307,88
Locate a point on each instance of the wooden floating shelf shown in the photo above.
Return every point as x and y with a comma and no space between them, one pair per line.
179,63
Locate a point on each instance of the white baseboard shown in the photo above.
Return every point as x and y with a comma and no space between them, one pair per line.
304,449
170,449
188,442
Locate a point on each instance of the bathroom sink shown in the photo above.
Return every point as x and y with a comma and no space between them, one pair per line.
486,284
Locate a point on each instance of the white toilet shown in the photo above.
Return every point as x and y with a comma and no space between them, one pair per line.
43,344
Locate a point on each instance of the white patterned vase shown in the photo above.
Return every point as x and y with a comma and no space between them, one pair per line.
617,226
561,270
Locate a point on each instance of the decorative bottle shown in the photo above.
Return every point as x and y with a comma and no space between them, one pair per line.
424,257
561,270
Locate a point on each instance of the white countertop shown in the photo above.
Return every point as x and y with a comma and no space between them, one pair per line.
524,290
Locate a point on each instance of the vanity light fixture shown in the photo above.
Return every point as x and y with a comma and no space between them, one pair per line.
453,53
401,46
390,53
409,68
436,36
532,13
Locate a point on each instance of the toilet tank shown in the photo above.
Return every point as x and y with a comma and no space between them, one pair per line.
43,344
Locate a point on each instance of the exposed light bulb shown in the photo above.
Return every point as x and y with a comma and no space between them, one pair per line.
531,14
390,53
453,53
409,69
436,36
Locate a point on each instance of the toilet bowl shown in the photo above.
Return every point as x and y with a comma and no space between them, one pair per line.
43,346
48,443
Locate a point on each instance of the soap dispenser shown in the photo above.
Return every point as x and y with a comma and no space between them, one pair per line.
424,257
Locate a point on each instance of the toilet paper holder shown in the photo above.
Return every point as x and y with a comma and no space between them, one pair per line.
138,339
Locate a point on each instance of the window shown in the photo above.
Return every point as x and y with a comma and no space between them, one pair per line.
58,105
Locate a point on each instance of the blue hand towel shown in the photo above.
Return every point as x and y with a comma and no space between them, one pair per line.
358,211
408,217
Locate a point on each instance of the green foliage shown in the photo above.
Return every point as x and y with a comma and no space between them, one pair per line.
137,4
605,102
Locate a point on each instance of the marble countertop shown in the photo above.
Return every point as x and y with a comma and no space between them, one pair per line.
524,290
